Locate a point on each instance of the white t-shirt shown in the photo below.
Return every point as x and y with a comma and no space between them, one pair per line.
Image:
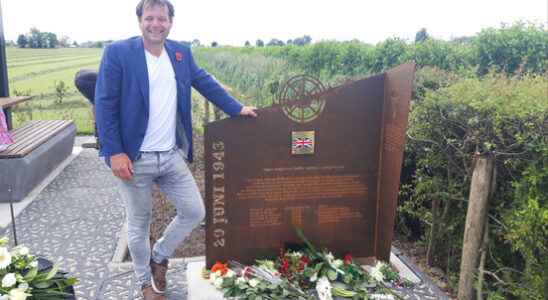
160,134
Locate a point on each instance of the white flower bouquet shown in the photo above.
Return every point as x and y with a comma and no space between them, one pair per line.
22,278
305,275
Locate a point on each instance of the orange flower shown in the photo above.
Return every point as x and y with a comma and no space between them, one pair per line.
219,266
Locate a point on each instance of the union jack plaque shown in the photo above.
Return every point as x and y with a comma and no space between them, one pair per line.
302,142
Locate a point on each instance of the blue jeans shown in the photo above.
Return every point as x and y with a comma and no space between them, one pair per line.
169,170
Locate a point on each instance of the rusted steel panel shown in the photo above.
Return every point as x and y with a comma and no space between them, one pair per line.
309,162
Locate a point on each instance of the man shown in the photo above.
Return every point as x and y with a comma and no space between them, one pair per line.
143,112
85,80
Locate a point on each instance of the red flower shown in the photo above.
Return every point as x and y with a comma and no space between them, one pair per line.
347,259
305,260
178,56
218,266
247,272
285,266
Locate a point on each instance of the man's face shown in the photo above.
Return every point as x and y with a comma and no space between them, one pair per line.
155,24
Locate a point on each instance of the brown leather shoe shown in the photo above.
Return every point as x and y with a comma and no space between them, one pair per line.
150,294
159,271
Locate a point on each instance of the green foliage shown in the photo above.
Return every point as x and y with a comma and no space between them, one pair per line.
504,117
37,39
520,48
255,76
528,229
22,41
61,90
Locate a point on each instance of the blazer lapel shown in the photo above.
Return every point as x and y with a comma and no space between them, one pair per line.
142,71
176,58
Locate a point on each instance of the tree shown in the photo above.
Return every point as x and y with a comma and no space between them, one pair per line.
516,49
61,90
22,41
301,41
259,43
421,36
38,39
35,38
64,41
247,44
196,43
275,42
214,44
50,40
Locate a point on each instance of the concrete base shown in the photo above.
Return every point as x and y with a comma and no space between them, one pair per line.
198,287
21,175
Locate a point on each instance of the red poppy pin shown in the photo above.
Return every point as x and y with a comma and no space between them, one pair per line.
178,56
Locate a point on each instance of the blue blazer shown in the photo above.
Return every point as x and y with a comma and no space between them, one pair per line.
122,96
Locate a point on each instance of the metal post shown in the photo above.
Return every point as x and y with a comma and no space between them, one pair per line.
4,88
4,92
12,217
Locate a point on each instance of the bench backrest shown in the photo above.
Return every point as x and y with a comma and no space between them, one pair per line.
31,135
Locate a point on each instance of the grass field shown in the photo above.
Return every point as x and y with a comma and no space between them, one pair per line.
35,72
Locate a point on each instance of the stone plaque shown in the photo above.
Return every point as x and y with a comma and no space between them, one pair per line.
326,161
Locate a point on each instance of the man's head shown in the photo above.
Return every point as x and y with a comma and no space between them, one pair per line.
155,20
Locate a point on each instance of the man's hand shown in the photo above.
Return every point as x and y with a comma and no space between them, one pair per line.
121,166
248,111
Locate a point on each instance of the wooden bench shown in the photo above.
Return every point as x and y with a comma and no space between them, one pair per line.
38,148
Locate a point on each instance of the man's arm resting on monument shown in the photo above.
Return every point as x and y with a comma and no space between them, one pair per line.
107,103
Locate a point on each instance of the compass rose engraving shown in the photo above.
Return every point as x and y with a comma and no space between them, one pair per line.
302,98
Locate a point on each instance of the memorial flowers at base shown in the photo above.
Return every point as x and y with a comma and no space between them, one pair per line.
21,277
305,274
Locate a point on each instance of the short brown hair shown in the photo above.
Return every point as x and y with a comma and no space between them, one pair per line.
149,3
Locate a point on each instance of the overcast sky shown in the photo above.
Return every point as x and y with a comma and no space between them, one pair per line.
233,22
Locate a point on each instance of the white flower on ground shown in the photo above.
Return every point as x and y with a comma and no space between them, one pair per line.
5,258
34,264
382,297
323,287
240,280
297,254
213,276
376,272
338,263
23,286
3,297
330,257
20,250
229,273
9,280
18,294
253,282
218,283
314,277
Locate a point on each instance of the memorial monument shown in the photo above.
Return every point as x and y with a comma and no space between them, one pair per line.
325,160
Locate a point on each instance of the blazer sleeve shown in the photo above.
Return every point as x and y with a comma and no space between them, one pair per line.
212,90
107,103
